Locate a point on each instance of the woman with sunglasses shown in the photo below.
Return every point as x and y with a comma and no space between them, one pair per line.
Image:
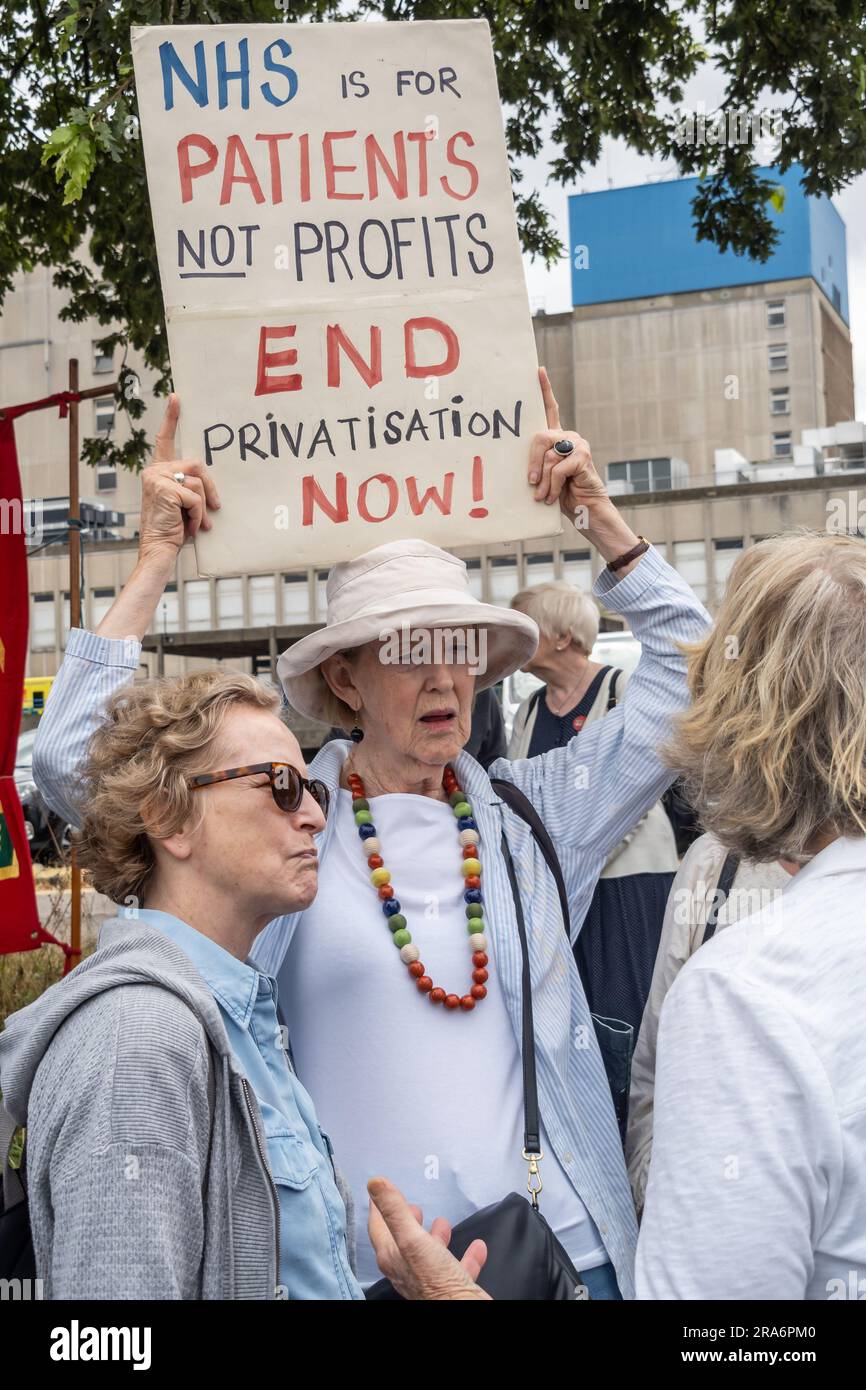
171,1150
402,983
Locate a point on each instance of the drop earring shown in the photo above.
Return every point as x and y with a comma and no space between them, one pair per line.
357,733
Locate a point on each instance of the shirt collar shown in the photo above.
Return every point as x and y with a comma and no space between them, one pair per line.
235,984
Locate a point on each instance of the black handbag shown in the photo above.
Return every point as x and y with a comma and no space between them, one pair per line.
525,1261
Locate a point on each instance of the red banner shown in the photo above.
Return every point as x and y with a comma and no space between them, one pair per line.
20,929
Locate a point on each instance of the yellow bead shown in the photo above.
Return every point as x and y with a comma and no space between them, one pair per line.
380,876
471,866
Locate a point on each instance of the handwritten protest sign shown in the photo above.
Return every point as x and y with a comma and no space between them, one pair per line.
345,302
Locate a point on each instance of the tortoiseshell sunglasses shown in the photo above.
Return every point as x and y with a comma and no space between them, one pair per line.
287,784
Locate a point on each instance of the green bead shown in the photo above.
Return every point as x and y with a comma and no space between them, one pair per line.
360,803
456,797
476,924
474,910
462,809
401,937
397,922
363,818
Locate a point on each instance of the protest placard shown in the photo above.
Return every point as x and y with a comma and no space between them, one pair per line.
345,302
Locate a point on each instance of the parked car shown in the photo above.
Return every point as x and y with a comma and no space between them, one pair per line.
47,833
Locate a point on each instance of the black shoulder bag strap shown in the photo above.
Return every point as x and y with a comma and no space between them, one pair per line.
531,1124
523,807
720,897
611,690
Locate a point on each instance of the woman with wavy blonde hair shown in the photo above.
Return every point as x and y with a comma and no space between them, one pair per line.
757,1184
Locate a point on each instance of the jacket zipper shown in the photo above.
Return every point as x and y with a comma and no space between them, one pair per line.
267,1168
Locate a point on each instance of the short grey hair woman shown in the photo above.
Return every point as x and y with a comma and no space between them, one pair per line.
401,982
618,940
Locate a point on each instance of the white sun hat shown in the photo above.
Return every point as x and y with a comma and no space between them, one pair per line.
403,582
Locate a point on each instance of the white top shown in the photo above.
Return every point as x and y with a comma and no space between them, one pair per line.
692,895
757,1185
450,1136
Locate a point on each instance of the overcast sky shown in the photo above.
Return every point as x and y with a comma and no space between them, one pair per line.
620,166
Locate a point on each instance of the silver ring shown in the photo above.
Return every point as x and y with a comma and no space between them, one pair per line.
179,477
563,446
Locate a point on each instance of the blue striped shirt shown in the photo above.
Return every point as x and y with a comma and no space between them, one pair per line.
589,794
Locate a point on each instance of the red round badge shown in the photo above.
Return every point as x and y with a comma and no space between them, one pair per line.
578,722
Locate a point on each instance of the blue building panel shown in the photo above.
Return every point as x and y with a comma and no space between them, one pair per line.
635,243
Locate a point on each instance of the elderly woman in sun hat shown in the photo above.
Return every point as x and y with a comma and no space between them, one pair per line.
401,982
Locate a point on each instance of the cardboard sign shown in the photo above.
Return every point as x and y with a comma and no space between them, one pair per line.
346,308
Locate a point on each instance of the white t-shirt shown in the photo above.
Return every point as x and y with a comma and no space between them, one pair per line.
757,1183
431,1099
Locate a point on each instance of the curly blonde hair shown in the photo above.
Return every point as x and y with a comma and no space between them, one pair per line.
155,737
773,748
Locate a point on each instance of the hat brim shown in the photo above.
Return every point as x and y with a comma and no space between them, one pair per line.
512,638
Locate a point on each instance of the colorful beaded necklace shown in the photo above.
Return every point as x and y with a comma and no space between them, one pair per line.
380,878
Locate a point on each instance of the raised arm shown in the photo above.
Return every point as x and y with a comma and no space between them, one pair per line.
97,664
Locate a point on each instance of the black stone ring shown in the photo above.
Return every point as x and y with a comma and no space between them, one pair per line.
563,446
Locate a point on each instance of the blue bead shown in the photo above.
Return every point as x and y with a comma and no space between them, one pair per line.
472,895
390,906
466,823
366,832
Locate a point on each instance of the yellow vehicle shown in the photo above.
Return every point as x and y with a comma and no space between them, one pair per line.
36,690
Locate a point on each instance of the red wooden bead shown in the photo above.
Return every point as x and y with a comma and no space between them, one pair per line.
478,992
472,881
479,959
424,984
467,1002
480,976
437,996
376,861
416,969
470,851
386,891
452,1001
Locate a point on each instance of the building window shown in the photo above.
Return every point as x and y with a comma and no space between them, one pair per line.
644,475
782,444
296,599
43,636
775,313
777,357
577,568
473,574
230,602
197,597
106,477
102,361
167,617
100,602
103,414
538,569
780,400
725,557
503,578
690,559
263,600
322,594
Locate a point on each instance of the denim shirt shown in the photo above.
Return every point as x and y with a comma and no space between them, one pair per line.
314,1260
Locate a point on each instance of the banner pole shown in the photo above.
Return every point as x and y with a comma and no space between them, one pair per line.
74,621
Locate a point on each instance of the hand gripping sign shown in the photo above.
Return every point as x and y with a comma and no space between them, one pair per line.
346,309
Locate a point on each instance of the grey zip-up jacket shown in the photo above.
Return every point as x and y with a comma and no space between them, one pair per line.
133,1193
